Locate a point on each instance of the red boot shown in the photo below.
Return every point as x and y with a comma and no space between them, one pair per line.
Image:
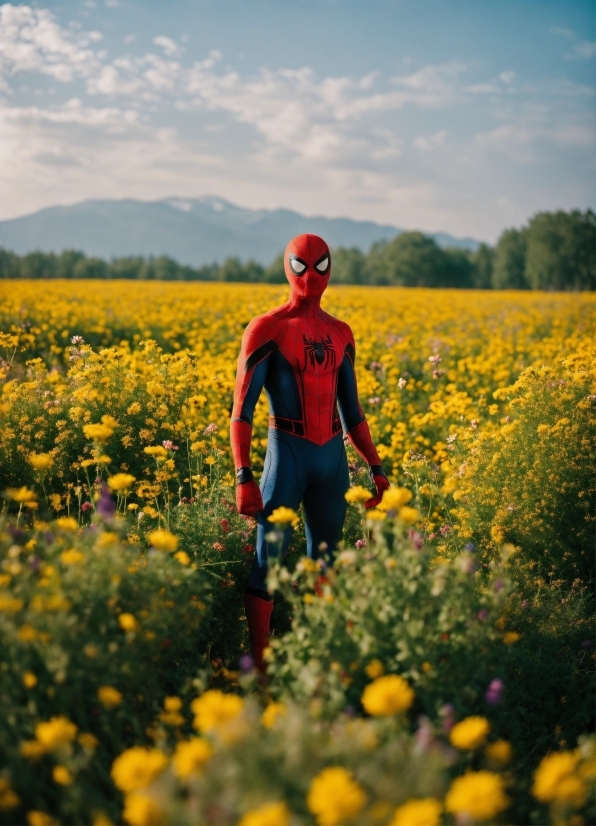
258,615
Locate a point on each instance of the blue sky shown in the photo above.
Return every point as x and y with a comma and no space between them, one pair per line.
464,116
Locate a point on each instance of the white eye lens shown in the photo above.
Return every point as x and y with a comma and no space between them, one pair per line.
322,265
297,266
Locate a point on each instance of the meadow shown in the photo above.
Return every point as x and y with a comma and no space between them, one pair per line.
443,674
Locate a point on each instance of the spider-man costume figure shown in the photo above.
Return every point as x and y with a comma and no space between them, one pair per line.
304,359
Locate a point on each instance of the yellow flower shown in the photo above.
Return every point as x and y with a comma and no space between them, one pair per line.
409,515
214,709
98,432
32,749
11,605
37,818
510,637
67,523
121,481
88,740
270,814
470,733
72,557
103,460
29,679
140,810
55,500
40,461
55,733
8,797
170,715
335,797
182,557
421,812
109,696
22,495
190,756
210,460
555,779
128,622
477,796
271,714
374,669
498,534
375,515
283,516
62,776
134,408
163,540
137,767
387,695
357,494
394,499
500,752
158,451
542,428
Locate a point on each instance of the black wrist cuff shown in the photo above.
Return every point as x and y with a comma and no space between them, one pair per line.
377,470
244,474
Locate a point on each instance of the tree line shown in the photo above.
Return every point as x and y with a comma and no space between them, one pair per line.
555,251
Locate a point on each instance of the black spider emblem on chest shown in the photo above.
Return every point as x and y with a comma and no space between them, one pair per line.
322,351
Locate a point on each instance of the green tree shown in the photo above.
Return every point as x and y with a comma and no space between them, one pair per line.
38,265
125,267
9,264
90,268
347,266
509,272
483,260
561,251
458,269
233,269
275,273
410,260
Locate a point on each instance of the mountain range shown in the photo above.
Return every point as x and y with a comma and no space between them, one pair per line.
192,231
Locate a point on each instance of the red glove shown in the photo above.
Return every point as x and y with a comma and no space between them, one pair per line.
381,484
248,494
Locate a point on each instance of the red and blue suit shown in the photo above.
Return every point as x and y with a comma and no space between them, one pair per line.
304,360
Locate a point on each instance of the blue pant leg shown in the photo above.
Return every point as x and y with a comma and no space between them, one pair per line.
324,497
280,486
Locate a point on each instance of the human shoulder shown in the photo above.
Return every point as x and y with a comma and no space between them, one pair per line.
343,329
262,329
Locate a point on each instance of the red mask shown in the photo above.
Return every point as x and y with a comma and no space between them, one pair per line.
307,263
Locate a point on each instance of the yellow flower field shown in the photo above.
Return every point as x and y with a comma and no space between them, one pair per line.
416,682
159,360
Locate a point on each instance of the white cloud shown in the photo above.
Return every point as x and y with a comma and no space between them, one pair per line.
561,31
169,46
431,142
284,137
584,51
31,40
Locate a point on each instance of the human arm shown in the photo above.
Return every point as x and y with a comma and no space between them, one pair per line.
355,425
250,378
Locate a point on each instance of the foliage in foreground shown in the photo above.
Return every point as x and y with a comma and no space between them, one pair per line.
531,483
97,674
